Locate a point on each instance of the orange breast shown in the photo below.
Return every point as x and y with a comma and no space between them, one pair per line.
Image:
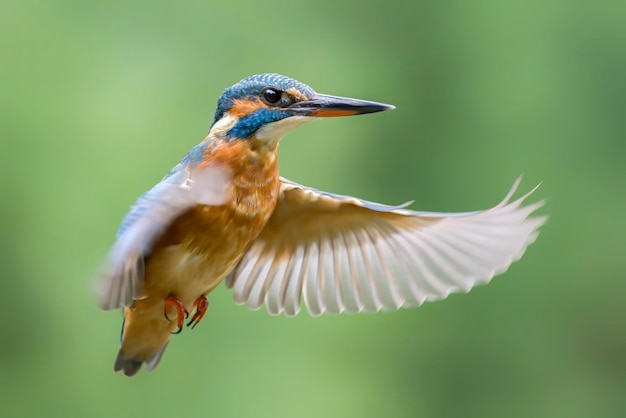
202,245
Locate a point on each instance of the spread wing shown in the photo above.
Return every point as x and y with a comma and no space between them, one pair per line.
342,254
185,187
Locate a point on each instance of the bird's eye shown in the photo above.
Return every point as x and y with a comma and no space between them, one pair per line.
272,96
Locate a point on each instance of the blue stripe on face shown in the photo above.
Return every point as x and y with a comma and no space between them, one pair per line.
248,125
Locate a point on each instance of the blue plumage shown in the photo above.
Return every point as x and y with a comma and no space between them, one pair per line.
248,125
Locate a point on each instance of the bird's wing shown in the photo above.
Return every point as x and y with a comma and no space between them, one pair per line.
185,187
343,254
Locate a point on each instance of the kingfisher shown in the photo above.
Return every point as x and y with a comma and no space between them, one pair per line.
224,214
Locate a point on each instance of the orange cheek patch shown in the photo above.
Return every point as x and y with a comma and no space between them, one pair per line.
299,96
332,113
243,107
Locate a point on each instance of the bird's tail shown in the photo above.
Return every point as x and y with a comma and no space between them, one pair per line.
131,366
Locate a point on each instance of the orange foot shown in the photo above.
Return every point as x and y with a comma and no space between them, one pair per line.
173,302
201,304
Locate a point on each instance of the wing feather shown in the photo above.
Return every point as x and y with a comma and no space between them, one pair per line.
420,279
343,270
183,188
341,254
384,278
294,283
331,284
312,279
245,269
257,283
275,287
360,264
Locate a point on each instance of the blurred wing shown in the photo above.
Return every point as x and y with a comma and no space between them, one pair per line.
183,188
342,254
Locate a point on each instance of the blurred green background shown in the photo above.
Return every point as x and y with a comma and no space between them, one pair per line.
100,99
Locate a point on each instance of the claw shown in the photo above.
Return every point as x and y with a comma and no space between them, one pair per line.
202,305
181,313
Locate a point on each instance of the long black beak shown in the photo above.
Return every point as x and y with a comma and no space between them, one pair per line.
326,106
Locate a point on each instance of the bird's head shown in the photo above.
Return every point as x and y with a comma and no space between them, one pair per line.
267,106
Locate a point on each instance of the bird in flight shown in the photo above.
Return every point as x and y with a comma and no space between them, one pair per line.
224,214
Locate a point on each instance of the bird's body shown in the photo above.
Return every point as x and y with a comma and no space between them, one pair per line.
224,213
202,244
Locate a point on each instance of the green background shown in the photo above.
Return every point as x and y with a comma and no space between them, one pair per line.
100,99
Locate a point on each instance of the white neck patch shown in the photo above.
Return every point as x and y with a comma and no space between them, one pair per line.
222,126
273,132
